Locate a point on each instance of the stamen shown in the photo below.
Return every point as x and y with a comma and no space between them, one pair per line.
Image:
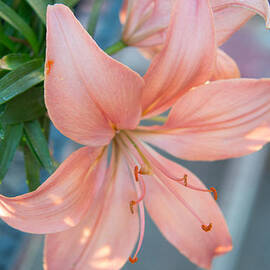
133,260
207,228
142,227
136,173
185,204
214,192
184,178
140,190
49,66
131,204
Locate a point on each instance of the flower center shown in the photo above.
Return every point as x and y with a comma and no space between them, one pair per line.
141,162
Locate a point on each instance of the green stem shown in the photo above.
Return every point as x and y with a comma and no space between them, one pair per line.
118,46
92,24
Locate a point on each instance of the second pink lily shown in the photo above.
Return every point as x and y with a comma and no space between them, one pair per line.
92,211
145,24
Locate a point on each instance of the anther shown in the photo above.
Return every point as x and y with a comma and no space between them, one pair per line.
136,173
212,189
207,228
133,260
49,66
185,177
131,206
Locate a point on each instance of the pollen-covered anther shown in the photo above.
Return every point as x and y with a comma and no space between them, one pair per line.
131,206
207,228
49,66
213,190
185,178
133,260
136,173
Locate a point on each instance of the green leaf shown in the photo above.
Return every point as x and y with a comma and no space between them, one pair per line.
69,3
21,79
13,60
32,169
2,131
11,17
8,147
25,107
6,41
38,144
40,7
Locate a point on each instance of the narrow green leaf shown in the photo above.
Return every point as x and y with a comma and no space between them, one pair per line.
46,126
11,17
6,41
8,147
38,144
2,131
3,73
21,79
13,60
69,3
32,169
25,107
40,7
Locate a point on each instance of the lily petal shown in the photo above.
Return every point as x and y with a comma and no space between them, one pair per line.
230,15
87,91
226,68
62,201
106,237
168,200
145,21
223,119
186,59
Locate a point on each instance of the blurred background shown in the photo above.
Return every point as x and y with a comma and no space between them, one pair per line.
243,184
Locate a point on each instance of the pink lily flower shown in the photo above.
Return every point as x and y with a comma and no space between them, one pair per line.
145,24
92,207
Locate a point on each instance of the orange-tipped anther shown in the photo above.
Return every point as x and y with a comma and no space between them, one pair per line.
133,260
136,173
49,66
212,189
131,204
207,228
185,179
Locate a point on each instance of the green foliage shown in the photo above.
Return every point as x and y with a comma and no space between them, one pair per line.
21,79
4,40
38,144
13,60
69,3
31,103
32,169
11,17
40,7
8,146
